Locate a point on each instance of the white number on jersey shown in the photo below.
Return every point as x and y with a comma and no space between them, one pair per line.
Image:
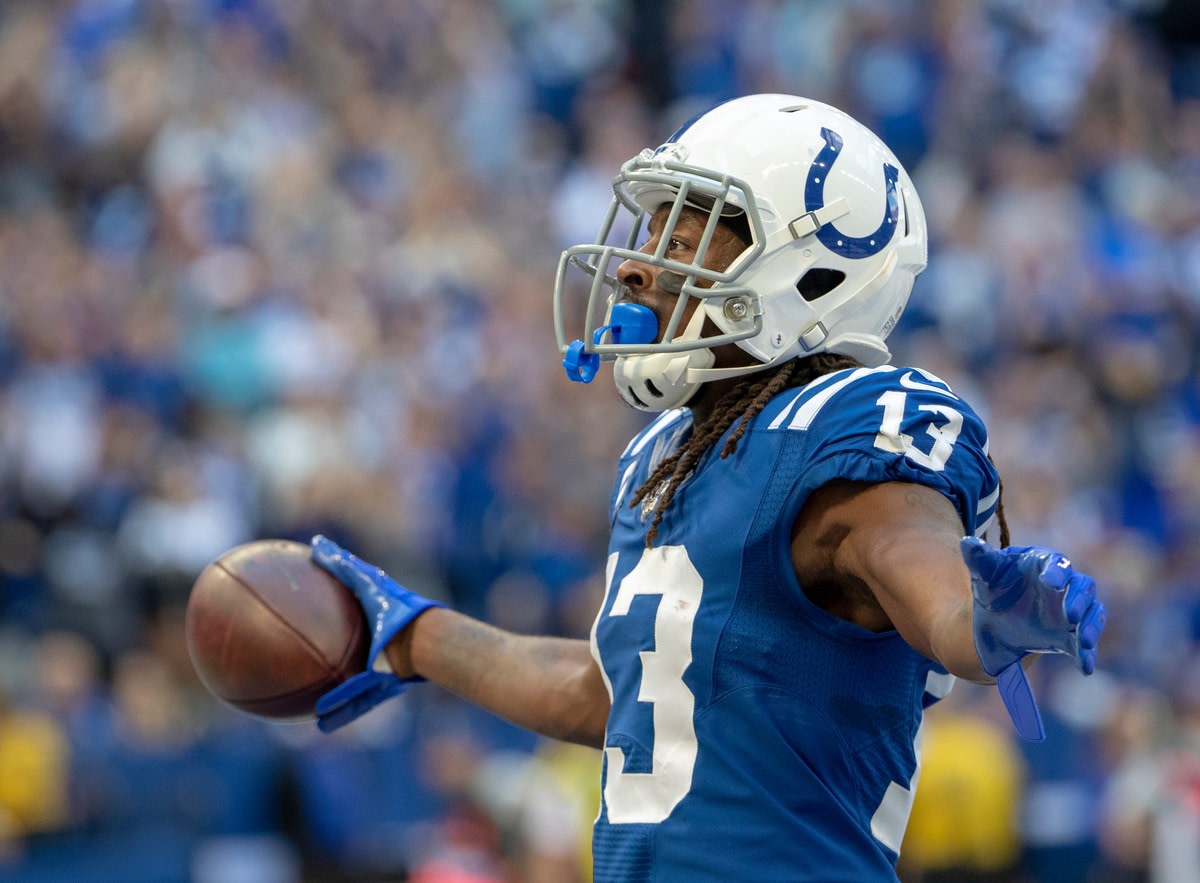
633,798
890,438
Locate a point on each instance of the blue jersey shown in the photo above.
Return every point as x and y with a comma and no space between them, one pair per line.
754,736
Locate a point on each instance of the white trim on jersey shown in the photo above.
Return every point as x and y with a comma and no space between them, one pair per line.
657,425
801,393
891,818
808,411
985,513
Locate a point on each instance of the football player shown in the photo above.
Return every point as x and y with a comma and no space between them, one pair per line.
797,566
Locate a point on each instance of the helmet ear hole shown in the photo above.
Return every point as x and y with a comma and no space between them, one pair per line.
818,282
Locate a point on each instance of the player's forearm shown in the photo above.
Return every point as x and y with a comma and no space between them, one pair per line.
953,643
925,588
931,605
548,685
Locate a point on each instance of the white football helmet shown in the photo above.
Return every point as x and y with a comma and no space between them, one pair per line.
838,236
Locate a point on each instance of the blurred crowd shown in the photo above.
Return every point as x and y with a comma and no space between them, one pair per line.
273,267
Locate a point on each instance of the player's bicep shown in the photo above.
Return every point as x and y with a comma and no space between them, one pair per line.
840,519
900,541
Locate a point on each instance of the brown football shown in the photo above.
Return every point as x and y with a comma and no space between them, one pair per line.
269,631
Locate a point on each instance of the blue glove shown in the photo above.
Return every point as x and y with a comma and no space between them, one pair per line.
389,608
1029,600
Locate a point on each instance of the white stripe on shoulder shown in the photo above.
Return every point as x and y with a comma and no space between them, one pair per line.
626,477
807,412
988,502
656,427
986,512
801,393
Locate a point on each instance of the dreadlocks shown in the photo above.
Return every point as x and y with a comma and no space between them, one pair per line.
1005,537
740,405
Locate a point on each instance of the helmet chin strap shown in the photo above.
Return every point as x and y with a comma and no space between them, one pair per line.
700,375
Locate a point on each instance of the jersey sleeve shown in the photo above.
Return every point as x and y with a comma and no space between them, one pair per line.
891,424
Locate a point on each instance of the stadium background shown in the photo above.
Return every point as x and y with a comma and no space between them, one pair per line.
269,267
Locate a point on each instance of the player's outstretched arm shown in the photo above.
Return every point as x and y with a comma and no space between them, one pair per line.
549,685
977,610
894,547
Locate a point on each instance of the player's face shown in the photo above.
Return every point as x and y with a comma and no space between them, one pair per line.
643,280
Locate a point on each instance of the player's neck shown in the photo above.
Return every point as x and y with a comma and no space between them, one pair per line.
706,398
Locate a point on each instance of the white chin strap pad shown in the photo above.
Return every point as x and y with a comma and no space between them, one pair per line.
660,381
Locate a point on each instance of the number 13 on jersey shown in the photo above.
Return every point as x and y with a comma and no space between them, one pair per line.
633,798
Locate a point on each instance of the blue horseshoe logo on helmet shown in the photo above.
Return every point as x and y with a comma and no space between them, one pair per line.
814,199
